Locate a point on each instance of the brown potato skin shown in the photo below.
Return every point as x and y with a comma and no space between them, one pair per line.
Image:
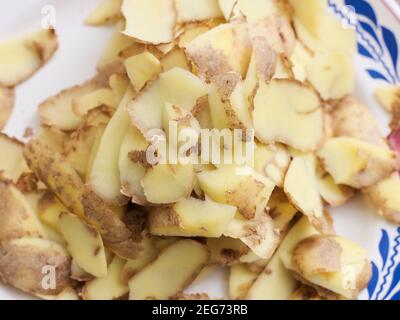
304,292
378,201
395,122
226,251
44,52
62,179
21,266
350,118
322,292
97,82
27,182
13,214
324,224
56,173
324,247
193,296
374,170
116,235
160,217
327,266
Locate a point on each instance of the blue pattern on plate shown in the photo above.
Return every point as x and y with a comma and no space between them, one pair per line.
379,46
385,280
375,41
363,8
384,248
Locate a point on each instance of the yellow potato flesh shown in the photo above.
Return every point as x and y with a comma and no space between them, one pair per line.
146,109
146,24
117,43
301,186
12,165
119,84
174,269
20,58
353,264
105,166
309,12
168,183
148,254
332,74
222,49
257,10
193,218
332,193
79,148
50,209
106,11
226,7
131,172
57,110
272,161
259,234
108,287
384,196
387,96
7,100
33,198
240,280
356,163
81,105
85,244
142,68
218,115
278,283
287,112
249,193
331,36
300,60
18,217
175,59
196,11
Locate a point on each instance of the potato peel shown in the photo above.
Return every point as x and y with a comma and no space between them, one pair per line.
7,98
189,11
57,110
62,179
19,255
383,197
273,73
106,12
22,57
220,50
276,112
146,109
147,25
171,279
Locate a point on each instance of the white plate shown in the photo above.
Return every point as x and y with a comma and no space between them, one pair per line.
378,27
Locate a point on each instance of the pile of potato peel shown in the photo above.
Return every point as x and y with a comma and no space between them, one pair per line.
83,197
